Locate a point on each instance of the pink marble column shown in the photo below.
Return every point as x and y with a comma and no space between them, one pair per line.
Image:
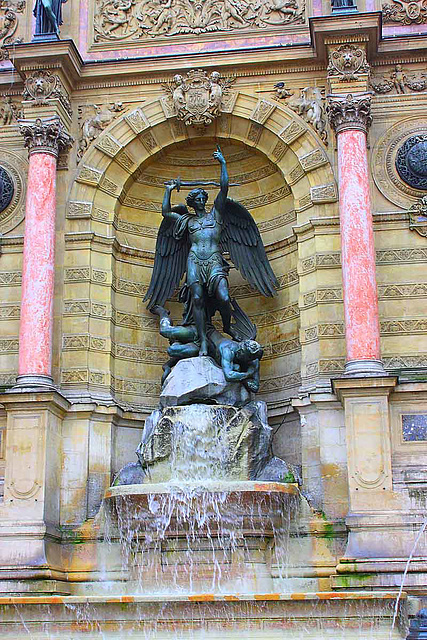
44,139
351,116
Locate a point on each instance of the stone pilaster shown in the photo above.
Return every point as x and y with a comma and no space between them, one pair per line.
44,140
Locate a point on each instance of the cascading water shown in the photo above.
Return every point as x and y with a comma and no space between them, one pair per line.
203,531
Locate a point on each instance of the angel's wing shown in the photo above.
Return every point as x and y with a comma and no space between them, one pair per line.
170,259
241,238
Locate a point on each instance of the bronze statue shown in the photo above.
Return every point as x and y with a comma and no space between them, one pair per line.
238,359
48,14
193,243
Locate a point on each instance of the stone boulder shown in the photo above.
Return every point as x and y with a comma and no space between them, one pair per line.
198,380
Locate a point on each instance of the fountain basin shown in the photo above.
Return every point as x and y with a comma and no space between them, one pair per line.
290,616
202,535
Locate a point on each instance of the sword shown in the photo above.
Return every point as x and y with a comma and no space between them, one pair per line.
199,183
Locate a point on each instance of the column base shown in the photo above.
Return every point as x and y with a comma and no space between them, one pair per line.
32,382
364,369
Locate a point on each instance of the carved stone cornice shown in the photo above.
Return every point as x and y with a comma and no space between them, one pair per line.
45,136
351,111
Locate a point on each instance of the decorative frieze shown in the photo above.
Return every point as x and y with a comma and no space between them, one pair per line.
281,348
324,193
10,278
350,112
141,22
45,136
273,385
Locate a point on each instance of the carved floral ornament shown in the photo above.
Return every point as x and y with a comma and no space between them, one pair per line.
197,99
46,136
347,62
405,11
141,19
9,10
350,112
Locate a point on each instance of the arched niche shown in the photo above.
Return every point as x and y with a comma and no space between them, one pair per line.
283,173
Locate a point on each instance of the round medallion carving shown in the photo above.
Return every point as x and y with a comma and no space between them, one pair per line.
411,162
13,171
399,162
6,189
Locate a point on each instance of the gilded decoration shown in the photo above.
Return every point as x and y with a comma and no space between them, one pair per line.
383,163
405,11
9,10
197,99
399,81
118,20
12,207
347,62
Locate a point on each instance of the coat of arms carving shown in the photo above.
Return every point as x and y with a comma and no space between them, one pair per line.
197,99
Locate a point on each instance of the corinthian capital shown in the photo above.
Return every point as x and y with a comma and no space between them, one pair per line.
350,112
45,136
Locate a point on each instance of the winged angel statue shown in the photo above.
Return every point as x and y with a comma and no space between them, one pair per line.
193,242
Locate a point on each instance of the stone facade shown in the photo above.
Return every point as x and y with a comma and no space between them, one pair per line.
359,441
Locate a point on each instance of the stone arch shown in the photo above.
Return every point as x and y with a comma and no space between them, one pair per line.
275,130
110,347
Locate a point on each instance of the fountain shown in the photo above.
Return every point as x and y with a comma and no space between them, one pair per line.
207,533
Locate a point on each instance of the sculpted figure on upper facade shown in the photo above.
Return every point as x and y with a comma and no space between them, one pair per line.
9,111
309,105
192,243
400,81
136,19
48,15
93,120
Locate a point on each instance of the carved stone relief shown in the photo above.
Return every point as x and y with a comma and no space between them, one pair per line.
42,86
93,119
383,162
309,105
347,62
9,111
139,19
418,216
399,81
405,11
197,99
9,24
13,168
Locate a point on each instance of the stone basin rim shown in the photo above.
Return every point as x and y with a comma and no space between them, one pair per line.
211,486
202,597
